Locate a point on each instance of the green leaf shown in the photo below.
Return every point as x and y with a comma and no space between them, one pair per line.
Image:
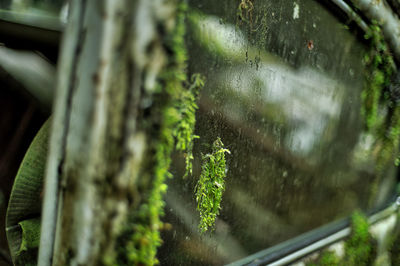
24,207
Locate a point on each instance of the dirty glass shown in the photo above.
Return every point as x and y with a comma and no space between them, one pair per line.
283,85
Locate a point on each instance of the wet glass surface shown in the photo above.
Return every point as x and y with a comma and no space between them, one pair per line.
283,92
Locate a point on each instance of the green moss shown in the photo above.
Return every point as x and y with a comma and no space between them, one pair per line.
184,130
171,125
142,247
380,107
394,243
326,258
380,67
211,185
360,248
329,258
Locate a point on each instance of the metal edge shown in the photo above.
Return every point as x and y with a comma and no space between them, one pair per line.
45,22
312,241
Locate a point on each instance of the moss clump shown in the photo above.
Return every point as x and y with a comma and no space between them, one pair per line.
380,95
380,67
329,258
211,185
184,130
360,248
326,258
394,244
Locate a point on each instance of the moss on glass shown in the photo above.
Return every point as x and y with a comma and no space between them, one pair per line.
211,185
184,130
360,248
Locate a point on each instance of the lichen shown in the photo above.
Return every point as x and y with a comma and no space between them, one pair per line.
329,258
211,185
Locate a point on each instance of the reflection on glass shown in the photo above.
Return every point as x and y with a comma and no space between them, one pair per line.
34,6
48,14
283,93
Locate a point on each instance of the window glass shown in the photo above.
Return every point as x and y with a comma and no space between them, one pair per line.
38,7
283,92
47,14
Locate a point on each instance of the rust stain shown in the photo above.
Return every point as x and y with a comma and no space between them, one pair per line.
310,45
